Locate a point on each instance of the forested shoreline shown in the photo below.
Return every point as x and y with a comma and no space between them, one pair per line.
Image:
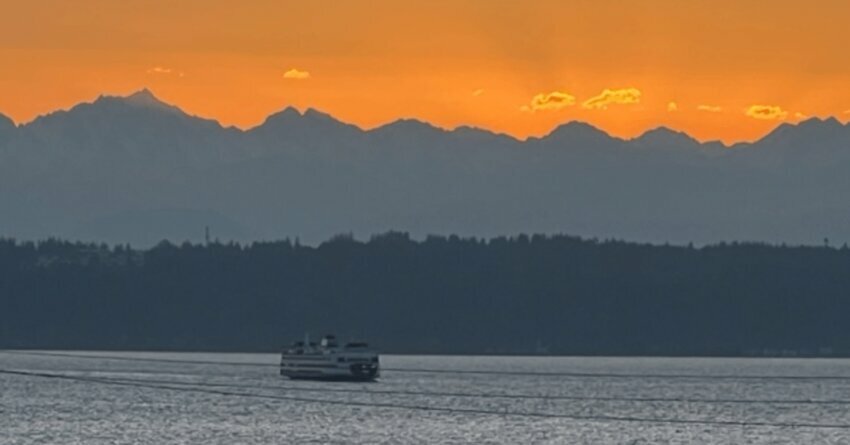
516,295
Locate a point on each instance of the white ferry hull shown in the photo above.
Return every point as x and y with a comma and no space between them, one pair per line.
332,367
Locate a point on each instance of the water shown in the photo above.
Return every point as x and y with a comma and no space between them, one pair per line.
35,410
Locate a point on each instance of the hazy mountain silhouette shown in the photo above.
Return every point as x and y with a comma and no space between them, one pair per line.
290,130
580,135
100,169
663,137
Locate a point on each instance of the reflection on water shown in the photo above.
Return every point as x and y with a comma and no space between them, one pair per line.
38,410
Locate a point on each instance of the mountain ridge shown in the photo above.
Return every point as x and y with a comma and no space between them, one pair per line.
134,169
145,98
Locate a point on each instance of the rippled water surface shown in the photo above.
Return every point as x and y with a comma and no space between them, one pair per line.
587,400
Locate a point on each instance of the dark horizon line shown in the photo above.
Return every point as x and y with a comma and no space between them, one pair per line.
743,355
350,237
147,93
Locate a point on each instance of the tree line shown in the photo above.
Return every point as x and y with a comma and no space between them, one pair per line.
508,295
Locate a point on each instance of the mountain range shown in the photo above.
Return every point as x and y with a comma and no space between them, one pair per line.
137,170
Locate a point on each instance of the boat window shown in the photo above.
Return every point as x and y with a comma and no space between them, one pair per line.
329,341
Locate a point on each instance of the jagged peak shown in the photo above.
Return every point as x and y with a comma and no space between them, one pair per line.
409,124
284,115
143,98
318,114
470,129
290,114
577,130
803,128
576,126
145,93
665,135
290,110
310,121
662,130
817,122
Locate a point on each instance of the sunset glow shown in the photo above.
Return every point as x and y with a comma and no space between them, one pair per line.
718,69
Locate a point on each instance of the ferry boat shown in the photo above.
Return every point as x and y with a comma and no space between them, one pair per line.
329,361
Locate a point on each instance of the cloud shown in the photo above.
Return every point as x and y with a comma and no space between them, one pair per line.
624,96
478,92
296,74
766,112
710,108
555,100
672,107
160,70
799,115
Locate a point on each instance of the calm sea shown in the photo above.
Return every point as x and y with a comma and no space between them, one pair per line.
157,398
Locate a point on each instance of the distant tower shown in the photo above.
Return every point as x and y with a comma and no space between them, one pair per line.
207,235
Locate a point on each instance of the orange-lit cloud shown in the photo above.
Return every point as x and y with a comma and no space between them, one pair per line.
672,107
799,115
766,112
478,92
710,108
296,74
555,100
164,71
624,96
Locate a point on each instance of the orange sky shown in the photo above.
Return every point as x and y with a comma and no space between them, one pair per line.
490,63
